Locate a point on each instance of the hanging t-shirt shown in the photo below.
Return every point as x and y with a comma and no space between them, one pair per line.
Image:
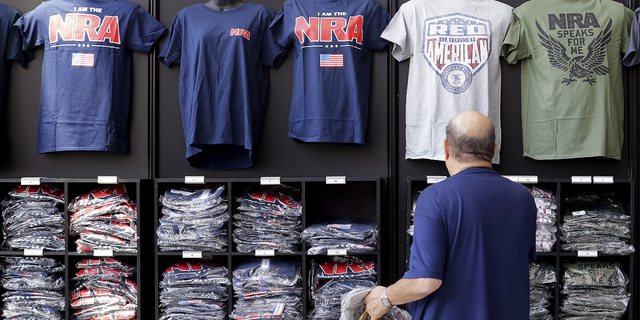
10,46
572,90
477,235
225,58
333,42
630,57
454,46
86,70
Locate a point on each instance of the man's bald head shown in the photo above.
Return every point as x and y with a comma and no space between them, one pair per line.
471,137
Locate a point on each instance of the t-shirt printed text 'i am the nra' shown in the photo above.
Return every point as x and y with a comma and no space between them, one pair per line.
82,26
456,46
329,24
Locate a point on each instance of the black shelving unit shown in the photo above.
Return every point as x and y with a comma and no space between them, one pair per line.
563,188
351,197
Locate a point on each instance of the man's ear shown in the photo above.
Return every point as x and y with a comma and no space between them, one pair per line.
446,149
495,147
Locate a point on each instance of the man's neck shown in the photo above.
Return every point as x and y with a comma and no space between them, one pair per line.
455,167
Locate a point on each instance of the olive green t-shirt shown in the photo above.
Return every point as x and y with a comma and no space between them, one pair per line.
572,90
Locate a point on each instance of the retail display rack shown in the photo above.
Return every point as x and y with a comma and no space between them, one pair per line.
624,193
333,197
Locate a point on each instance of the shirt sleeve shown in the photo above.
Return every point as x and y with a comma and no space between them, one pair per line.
172,49
14,50
272,52
398,33
429,248
144,31
30,30
515,46
373,27
630,38
279,27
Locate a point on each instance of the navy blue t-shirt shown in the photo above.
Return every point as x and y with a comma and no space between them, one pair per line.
10,46
224,61
333,42
86,70
475,231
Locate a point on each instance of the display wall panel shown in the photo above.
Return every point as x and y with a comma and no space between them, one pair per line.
276,154
19,123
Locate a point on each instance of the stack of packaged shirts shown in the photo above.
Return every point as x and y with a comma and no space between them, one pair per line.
268,288
193,220
414,200
103,290
333,279
33,289
268,219
194,290
105,219
541,284
595,290
354,236
595,222
32,218
546,220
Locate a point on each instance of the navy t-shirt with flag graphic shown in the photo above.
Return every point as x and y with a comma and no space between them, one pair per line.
88,44
333,42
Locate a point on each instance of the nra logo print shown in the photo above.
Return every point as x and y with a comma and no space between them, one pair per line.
82,27
329,29
241,32
456,46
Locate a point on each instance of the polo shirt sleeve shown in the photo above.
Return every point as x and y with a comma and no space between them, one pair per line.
429,248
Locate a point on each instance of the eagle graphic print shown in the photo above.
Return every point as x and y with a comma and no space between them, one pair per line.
573,29
456,46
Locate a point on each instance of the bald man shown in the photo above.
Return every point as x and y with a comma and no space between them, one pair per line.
474,238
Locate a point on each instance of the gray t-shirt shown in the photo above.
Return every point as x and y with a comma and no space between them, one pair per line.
455,46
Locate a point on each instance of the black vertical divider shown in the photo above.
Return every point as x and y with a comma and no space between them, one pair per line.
67,239
306,289
556,296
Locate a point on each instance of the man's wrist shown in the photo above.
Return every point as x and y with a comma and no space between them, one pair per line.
385,299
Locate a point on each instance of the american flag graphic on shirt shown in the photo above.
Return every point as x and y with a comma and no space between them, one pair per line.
331,60
82,60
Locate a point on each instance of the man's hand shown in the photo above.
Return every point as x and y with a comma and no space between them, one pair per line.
375,308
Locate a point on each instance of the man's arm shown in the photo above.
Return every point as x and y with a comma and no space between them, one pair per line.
401,292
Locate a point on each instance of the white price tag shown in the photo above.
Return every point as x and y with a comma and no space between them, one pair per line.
270,181
194,179
435,179
579,213
265,252
513,178
192,254
528,179
587,253
336,252
266,264
336,180
107,179
603,179
34,252
581,179
103,253
30,181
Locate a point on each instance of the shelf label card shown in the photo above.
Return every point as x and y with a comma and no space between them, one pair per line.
265,252
336,180
603,179
34,252
581,179
588,253
270,181
103,253
513,178
194,179
266,264
435,179
528,179
579,213
107,179
336,252
30,181
192,254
